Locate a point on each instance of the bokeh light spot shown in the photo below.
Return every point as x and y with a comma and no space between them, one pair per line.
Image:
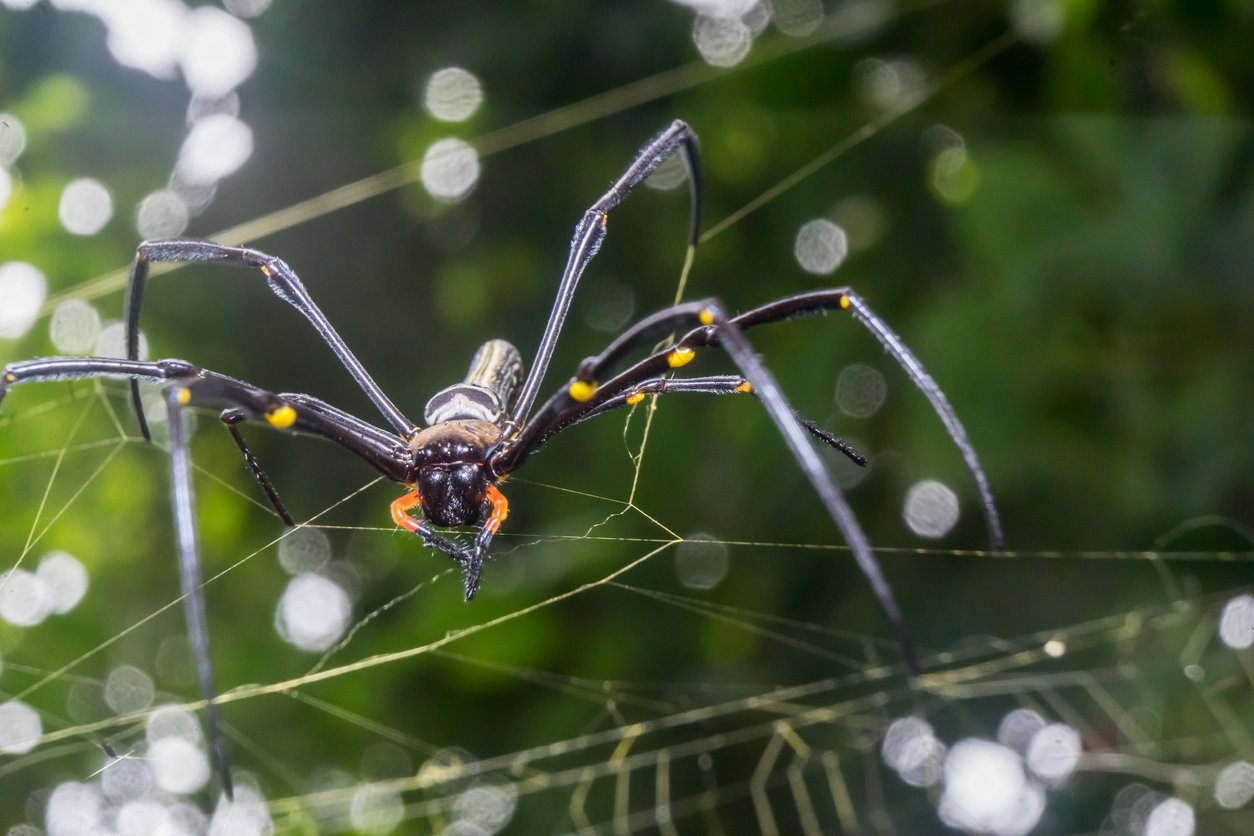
66,580
953,177
20,728
74,809
162,214
22,292
128,689
701,561
452,94
1234,786
860,390
304,550
1054,753
246,815
74,326
797,18
12,140
1038,22
891,85
215,147
376,810
25,599
1018,727
246,8
669,174
86,206
177,765
487,806
1236,625
218,53
145,34
820,246
1171,817
450,169
171,721
912,750
931,509
986,790
111,342
312,613
722,41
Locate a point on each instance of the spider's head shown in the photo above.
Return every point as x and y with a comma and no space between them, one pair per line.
449,471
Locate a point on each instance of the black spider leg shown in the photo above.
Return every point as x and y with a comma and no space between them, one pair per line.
717,329
561,411
846,299
285,284
194,385
191,579
711,385
589,233
230,418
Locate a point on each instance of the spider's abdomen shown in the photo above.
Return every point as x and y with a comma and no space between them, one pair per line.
486,393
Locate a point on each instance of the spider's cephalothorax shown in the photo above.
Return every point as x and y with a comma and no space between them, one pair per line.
483,429
466,420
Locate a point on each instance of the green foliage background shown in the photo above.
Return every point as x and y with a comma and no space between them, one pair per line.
1089,311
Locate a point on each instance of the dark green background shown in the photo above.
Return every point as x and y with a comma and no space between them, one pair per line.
1089,312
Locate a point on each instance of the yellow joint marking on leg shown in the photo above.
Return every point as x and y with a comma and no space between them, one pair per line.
266,271
635,398
745,386
10,376
706,316
184,396
680,356
844,301
582,390
281,416
605,218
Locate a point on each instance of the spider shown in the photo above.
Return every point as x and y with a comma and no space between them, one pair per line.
481,430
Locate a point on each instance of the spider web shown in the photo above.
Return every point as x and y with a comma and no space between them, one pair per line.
589,688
